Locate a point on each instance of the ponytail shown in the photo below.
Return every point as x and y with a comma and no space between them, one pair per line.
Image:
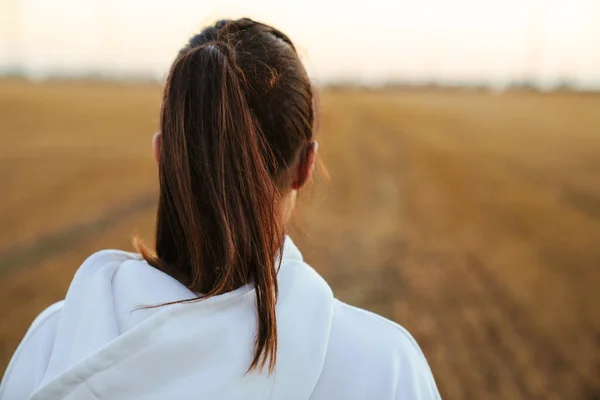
218,222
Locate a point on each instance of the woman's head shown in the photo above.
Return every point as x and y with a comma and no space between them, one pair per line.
236,141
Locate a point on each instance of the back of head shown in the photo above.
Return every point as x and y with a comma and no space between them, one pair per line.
236,119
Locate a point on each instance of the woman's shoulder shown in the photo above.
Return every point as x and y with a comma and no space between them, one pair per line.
370,335
370,356
371,326
28,364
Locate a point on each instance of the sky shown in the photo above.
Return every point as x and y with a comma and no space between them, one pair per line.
374,41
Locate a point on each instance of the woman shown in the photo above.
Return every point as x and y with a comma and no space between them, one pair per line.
225,308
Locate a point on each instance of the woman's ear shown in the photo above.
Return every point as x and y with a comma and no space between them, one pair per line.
306,166
156,146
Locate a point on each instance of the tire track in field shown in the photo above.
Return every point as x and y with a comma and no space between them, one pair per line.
57,242
522,323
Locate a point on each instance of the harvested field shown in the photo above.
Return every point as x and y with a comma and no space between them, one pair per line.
472,219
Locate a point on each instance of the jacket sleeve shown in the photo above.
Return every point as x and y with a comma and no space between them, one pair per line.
415,380
28,364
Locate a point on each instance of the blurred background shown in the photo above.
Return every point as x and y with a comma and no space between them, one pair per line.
462,146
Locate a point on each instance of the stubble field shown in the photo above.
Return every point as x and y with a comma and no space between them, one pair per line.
472,219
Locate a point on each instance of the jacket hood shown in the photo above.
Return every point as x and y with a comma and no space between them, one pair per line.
107,347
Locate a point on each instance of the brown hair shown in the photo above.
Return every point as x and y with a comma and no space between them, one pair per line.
236,117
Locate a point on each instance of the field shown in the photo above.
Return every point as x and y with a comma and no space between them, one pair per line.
472,219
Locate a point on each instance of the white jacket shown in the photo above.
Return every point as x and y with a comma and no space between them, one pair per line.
98,344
